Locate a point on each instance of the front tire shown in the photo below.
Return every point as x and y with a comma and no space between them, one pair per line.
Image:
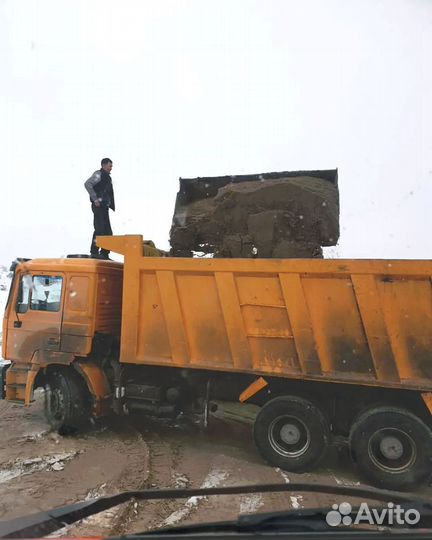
392,448
66,401
291,433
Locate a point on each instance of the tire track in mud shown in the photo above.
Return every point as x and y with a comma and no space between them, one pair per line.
222,456
178,458
132,477
163,457
210,459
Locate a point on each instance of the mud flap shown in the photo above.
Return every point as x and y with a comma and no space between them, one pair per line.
98,386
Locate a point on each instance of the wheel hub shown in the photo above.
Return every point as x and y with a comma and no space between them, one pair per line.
391,448
290,434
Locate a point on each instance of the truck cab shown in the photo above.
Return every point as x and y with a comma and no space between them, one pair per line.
58,312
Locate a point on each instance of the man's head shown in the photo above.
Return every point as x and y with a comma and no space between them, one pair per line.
106,164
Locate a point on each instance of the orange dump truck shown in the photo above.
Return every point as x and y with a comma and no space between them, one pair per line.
326,348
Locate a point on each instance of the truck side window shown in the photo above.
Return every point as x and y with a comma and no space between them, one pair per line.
23,294
46,293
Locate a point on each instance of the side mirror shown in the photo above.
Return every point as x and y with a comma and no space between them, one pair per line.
22,302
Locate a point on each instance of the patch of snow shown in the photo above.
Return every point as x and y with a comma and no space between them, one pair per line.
296,501
213,479
96,492
283,474
180,481
21,467
345,482
251,503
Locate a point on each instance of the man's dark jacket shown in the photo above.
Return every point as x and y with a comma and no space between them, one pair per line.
100,188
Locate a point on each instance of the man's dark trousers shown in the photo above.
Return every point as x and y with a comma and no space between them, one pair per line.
102,227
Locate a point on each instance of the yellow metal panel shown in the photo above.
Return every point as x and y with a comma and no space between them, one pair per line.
275,356
253,388
131,311
264,321
407,306
204,321
96,379
131,245
301,324
98,385
369,303
337,326
153,339
108,307
260,290
299,318
233,320
31,376
77,294
77,345
79,305
174,318
427,398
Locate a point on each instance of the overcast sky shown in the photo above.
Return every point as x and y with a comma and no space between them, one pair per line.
200,88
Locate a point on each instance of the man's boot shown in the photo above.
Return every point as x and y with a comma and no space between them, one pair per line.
104,254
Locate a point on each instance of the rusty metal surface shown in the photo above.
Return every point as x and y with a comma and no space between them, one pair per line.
356,321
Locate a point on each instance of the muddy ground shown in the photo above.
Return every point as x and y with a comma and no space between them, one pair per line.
40,470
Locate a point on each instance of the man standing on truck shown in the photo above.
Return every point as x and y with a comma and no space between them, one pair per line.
100,189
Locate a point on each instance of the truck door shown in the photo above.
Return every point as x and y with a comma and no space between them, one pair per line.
35,318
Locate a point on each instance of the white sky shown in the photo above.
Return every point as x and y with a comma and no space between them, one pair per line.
200,88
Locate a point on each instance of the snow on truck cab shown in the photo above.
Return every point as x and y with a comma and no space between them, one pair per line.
321,348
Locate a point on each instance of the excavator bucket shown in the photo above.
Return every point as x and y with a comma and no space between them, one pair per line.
278,214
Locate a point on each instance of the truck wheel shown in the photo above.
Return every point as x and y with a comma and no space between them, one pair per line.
291,433
392,448
66,401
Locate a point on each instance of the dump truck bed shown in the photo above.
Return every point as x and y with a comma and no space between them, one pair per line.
353,321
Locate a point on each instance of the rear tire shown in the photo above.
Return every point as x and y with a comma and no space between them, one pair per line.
66,401
291,433
392,448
